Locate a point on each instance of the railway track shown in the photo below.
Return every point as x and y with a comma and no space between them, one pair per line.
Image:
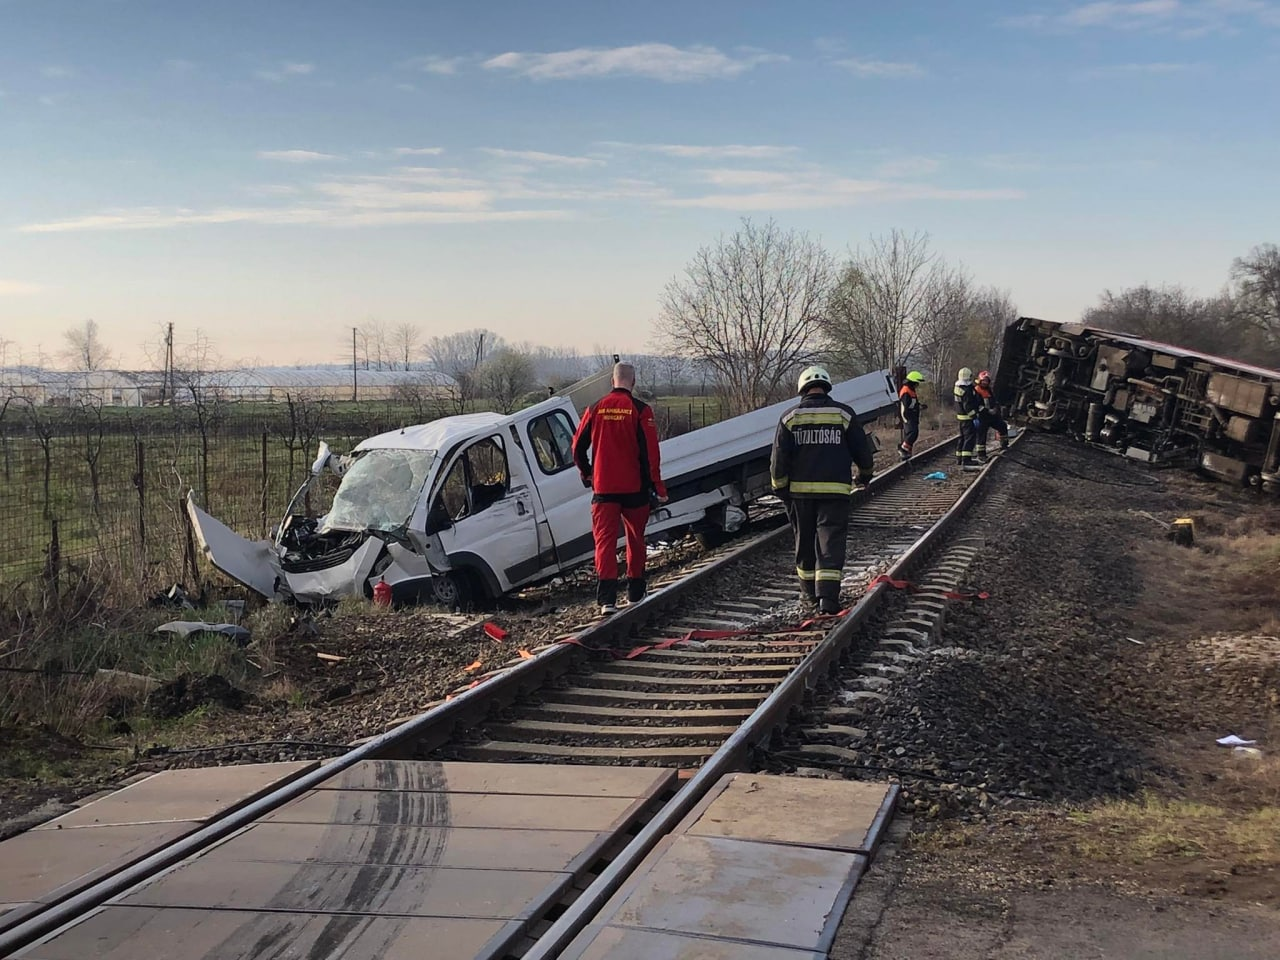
698,677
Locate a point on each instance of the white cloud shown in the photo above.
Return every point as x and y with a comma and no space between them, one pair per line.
537,156
153,218
178,65
441,66
816,189
1190,18
654,61
724,151
55,72
296,156
286,70
884,69
418,151
17,288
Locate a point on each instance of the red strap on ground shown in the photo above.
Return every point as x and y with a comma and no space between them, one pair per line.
494,632
888,580
980,595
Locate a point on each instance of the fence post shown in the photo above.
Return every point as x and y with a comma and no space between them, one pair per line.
140,482
189,549
264,483
53,559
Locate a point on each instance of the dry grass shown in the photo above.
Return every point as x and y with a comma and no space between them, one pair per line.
1161,829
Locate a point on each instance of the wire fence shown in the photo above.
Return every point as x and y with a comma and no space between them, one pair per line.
101,490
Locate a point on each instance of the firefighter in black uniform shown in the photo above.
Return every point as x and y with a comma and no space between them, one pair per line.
909,407
967,406
814,453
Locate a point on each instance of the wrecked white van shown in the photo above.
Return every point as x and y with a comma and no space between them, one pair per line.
468,508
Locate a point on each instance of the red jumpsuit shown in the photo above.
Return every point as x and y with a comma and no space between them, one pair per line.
623,470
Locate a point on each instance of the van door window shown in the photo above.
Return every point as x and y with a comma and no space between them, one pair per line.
552,438
477,480
487,465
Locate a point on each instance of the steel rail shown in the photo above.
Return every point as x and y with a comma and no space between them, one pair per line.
754,730
435,726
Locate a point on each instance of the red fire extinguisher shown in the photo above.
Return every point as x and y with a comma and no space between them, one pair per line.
382,593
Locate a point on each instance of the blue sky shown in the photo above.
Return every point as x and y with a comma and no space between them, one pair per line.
273,173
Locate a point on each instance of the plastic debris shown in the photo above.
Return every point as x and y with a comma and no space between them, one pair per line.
936,475
175,596
494,632
184,628
473,667
1231,740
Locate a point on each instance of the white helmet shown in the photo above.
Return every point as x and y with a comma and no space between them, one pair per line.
814,376
965,377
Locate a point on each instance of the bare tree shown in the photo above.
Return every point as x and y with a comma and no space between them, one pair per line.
890,298
1257,285
506,377
84,349
749,307
404,339
1173,315
458,357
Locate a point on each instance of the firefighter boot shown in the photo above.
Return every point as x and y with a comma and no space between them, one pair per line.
1004,442
607,596
828,605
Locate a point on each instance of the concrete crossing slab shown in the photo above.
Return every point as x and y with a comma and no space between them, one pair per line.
130,933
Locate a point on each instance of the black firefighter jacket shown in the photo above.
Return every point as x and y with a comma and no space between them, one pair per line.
815,448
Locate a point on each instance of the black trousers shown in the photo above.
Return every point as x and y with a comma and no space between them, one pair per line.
986,422
821,527
968,440
910,434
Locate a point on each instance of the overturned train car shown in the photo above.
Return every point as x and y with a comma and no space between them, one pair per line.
1149,401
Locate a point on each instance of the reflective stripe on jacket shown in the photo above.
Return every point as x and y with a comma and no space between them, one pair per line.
623,438
966,401
816,447
908,404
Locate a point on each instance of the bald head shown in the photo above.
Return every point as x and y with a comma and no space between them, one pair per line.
624,375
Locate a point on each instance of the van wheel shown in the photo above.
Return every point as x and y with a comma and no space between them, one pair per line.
455,590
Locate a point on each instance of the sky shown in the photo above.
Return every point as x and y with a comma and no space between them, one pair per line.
273,174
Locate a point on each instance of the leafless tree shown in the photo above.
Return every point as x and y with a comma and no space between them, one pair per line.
970,337
559,366
84,349
749,308
506,377
890,298
92,431
1173,315
1257,288
405,338
458,356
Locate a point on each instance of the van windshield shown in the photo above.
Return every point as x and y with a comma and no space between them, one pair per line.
379,490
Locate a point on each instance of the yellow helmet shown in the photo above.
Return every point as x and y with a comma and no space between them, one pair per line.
915,376
966,375
814,376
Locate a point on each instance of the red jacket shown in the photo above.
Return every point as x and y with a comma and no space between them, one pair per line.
623,438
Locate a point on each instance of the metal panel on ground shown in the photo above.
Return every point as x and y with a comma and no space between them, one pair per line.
737,890
388,860
833,814
128,933
618,943
195,794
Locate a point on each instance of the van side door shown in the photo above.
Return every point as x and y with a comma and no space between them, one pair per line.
549,440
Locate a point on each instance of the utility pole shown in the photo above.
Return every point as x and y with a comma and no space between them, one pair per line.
354,385
167,388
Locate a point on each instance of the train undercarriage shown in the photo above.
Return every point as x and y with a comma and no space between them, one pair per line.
1149,401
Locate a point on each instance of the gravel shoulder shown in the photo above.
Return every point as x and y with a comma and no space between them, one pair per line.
1076,803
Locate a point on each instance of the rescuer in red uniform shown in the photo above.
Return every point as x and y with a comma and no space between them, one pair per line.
624,473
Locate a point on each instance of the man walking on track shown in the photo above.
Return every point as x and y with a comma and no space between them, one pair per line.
624,472
988,417
909,407
814,452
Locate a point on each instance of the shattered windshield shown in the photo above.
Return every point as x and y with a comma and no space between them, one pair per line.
379,490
